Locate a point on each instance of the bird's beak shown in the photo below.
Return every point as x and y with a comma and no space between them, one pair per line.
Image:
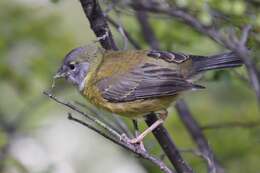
58,75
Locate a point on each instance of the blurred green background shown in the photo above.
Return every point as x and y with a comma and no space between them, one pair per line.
35,135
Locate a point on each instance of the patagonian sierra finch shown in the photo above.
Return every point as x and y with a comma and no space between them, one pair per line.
134,83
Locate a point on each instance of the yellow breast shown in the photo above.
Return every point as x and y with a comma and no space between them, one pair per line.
131,109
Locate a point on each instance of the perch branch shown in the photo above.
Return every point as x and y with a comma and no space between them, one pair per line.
170,149
160,132
197,135
91,118
236,45
182,108
114,136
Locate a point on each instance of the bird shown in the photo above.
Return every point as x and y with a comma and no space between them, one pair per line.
134,83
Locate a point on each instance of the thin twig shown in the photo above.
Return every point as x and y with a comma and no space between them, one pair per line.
168,146
238,47
113,121
117,138
245,34
200,154
147,31
191,124
100,132
160,132
120,28
71,106
197,135
107,45
166,142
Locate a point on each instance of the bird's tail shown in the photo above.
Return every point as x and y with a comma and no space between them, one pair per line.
220,61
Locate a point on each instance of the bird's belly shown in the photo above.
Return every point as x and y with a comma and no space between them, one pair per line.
138,108
132,109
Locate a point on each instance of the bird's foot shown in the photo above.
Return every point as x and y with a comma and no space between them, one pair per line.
139,142
135,141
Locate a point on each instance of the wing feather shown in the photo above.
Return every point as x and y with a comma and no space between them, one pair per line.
144,82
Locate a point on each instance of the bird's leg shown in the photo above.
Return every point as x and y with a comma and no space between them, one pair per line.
136,128
162,116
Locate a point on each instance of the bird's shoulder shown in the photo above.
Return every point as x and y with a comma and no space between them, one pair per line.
119,62
168,56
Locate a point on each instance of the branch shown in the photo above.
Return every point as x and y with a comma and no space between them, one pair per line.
126,34
188,120
114,121
245,35
160,132
198,136
168,146
147,31
91,118
98,23
238,47
198,153
113,135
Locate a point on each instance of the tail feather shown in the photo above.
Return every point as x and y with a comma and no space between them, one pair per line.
225,60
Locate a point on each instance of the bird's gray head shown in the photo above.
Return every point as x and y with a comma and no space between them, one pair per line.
76,65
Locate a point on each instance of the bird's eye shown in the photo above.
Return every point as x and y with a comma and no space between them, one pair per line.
72,66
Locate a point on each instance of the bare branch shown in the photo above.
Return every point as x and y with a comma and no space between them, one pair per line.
98,23
71,106
160,132
107,45
245,34
114,136
188,120
116,25
147,31
168,146
198,136
200,154
70,117
236,46
114,121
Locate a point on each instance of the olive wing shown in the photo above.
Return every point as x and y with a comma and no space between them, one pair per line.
143,82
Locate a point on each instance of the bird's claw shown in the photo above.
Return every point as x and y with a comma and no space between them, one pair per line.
135,141
126,139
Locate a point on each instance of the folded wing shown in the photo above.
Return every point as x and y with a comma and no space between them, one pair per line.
144,82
